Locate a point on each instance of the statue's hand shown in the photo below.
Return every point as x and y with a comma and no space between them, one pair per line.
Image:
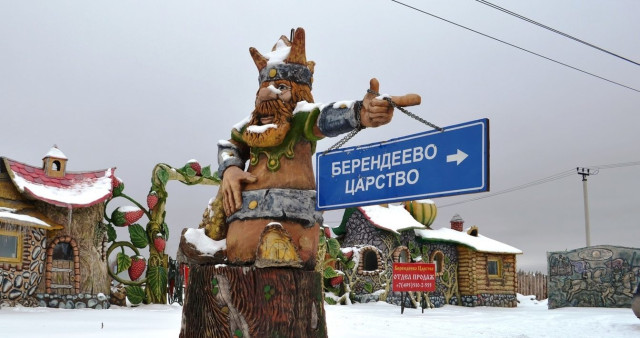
232,185
376,112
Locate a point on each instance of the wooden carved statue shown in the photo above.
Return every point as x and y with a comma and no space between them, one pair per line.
266,212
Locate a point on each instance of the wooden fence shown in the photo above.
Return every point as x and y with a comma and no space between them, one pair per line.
532,283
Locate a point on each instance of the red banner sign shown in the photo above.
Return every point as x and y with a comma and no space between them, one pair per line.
414,277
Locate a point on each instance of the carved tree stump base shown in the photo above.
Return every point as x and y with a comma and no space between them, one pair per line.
232,301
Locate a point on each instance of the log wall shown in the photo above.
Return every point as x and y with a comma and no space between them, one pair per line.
474,279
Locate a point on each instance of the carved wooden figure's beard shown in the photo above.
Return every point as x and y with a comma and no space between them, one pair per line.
281,113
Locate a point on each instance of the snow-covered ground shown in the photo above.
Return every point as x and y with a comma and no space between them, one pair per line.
530,319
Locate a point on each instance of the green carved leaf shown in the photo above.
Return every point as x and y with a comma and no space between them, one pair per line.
157,280
330,301
138,236
351,265
334,247
329,272
165,231
111,233
445,276
135,294
206,171
189,171
124,262
368,287
163,176
238,333
415,252
322,240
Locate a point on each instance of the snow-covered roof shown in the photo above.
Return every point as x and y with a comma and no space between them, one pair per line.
74,189
14,217
393,218
55,152
396,218
479,243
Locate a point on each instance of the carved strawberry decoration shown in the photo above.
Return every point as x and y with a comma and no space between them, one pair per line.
138,264
196,167
152,200
125,216
336,281
159,243
117,186
327,232
348,254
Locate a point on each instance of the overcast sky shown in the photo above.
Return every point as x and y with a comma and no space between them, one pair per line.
134,83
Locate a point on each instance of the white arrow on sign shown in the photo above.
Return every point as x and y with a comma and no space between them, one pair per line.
457,157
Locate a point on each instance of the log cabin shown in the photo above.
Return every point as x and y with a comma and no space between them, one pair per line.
471,269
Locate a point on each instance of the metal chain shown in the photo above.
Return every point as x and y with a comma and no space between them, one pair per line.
408,113
353,133
345,139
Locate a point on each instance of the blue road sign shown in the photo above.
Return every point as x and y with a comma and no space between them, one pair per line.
425,165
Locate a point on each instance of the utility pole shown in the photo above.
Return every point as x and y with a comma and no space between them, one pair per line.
586,172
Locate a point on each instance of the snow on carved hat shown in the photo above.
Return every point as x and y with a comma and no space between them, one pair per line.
286,61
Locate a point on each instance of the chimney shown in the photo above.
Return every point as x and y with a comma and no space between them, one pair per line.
457,222
54,163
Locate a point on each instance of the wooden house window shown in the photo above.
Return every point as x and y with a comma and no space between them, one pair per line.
63,251
438,259
10,246
494,267
56,165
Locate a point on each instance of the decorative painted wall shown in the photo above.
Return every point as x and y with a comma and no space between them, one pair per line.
596,276
19,280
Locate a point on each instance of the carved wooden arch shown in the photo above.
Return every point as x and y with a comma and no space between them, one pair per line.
363,252
397,253
438,258
76,262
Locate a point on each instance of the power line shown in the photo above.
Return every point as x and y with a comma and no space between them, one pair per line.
551,178
487,3
515,46
617,165
548,179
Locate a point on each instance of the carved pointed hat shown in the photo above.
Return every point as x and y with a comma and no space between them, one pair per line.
286,61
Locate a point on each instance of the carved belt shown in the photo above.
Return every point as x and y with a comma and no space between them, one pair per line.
280,204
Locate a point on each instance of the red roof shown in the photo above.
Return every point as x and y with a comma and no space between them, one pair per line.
74,189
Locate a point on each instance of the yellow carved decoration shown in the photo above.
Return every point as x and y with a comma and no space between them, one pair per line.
276,248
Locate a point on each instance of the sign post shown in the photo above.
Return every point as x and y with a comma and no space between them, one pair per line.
414,277
425,165
418,277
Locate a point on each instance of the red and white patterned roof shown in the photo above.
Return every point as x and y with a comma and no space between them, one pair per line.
74,189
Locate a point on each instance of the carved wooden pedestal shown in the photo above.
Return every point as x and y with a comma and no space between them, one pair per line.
231,301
